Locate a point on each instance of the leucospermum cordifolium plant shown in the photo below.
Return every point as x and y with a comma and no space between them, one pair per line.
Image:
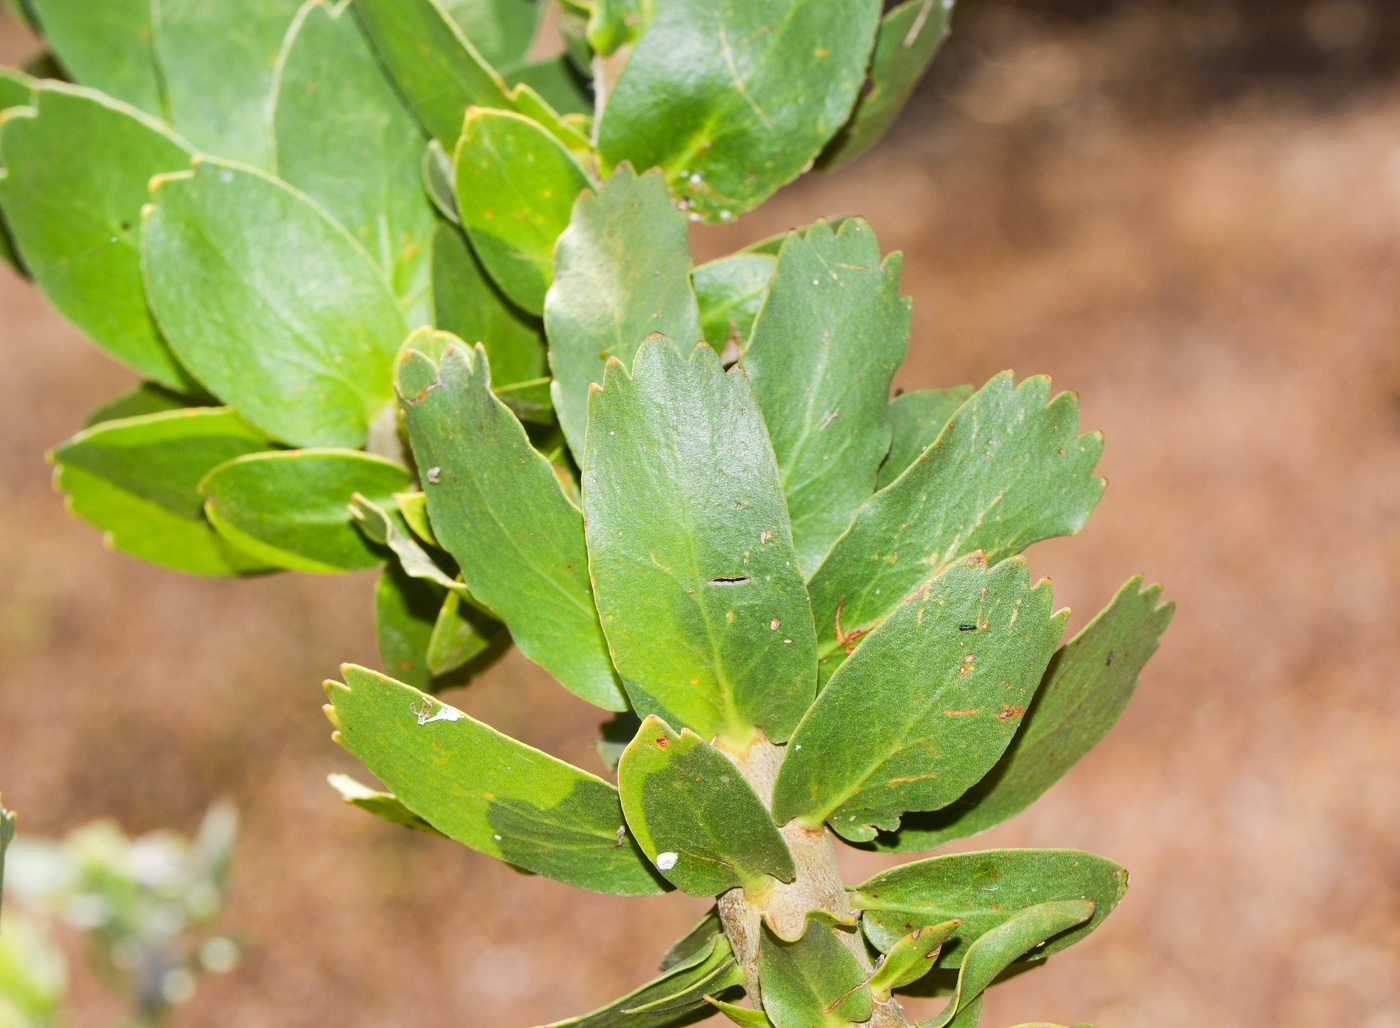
406,297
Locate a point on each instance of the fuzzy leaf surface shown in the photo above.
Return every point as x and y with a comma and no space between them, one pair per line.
730,291
982,890
381,804
690,548
909,959
147,398
814,982
137,480
1084,691
271,304
1007,471
733,98
216,61
405,610
497,507
516,186
687,803
501,30
344,137
486,790
437,70
824,350
75,182
290,508
106,46
915,420
621,272
908,39
936,703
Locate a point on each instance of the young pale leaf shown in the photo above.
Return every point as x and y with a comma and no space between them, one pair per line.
486,790
106,46
381,804
7,835
497,507
1086,687
137,480
909,959
516,186
1007,471
147,398
999,948
572,131
982,890
730,291
75,179
290,508
908,39
690,548
745,1017
824,349
733,98
274,306
915,420
437,70
926,705
501,30
557,82
815,982
216,61
405,610
470,306
461,634
621,272
384,528
693,941
695,816
414,508
344,137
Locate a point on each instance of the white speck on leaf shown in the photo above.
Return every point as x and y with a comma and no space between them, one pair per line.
666,861
434,474
425,713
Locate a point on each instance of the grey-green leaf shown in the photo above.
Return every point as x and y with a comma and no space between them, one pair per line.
1008,470
381,804
74,184
497,507
733,98
690,548
486,790
937,691
147,398
916,419
745,1017
461,634
344,137
910,958
730,291
405,610
216,61
695,816
138,481
621,272
1085,689
106,46
824,350
693,941
391,529
982,890
271,303
814,982
909,37
501,30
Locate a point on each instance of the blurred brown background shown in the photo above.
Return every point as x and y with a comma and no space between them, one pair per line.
1187,212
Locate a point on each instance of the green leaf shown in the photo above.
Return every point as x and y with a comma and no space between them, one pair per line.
615,23
437,70
391,530
937,690
405,610
982,890
227,255
461,634
824,350
621,271
344,137
999,948
486,790
908,39
16,88
745,1017
471,307
216,61
106,46
290,508
693,941
815,982
74,184
771,245
696,817
969,1014
730,291
501,30
690,549
147,398
438,177
733,98
498,508
916,419
380,804
557,82
1007,471
516,185
909,959
7,835
137,480
1084,691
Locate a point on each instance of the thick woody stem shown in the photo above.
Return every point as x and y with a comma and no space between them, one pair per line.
817,886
